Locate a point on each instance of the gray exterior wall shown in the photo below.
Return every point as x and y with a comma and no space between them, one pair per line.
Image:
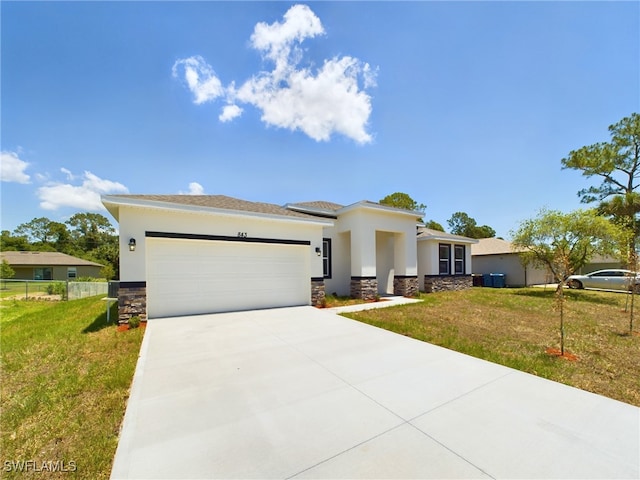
59,272
509,264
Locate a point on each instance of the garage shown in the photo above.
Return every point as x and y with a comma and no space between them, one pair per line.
193,276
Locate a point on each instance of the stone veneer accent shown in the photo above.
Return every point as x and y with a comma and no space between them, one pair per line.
317,292
365,288
132,301
440,283
407,286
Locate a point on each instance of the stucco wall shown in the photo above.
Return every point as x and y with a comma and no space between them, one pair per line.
135,221
384,246
340,262
428,260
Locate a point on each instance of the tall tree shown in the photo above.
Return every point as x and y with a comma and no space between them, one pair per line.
617,164
433,225
563,243
37,230
402,200
90,230
462,224
10,242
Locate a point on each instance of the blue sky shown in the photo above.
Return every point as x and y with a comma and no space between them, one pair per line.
465,106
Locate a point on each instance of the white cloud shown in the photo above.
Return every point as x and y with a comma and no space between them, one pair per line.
85,196
229,112
194,189
200,78
70,176
317,102
12,169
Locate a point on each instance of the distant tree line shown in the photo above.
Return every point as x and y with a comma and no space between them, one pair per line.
460,223
89,236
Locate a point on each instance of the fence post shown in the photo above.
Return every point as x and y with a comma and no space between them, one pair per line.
26,289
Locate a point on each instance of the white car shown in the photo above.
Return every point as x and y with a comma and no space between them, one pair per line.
613,279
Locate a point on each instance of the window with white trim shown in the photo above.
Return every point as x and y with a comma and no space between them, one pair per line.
458,259
444,259
72,272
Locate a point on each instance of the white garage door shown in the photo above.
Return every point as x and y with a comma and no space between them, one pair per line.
187,277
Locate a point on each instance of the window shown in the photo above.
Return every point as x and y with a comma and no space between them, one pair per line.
458,259
444,259
326,257
44,273
72,272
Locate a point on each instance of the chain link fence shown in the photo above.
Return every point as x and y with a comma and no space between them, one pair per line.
51,289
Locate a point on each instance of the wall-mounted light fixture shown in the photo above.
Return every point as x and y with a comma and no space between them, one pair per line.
132,244
318,251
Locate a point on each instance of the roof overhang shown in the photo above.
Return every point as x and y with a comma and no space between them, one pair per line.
113,203
376,207
447,238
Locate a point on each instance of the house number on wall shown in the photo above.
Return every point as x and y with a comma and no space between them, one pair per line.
242,234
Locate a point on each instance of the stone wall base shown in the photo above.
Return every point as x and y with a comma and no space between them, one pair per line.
407,286
132,301
441,283
365,288
318,293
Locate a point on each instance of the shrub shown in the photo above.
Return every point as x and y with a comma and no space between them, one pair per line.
57,288
134,322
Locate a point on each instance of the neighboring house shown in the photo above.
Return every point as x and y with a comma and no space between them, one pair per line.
49,266
494,255
444,260
191,254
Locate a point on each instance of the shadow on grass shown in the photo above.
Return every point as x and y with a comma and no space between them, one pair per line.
580,296
100,321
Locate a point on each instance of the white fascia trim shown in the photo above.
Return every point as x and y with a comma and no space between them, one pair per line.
445,238
311,210
375,206
174,207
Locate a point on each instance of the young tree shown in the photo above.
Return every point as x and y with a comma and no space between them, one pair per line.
461,223
564,243
6,271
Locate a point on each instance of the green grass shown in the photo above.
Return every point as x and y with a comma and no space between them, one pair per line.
66,375
514,327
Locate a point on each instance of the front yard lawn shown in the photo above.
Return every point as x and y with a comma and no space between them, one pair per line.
514,327
66,375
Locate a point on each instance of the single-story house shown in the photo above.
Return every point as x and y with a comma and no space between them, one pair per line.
191,254
495,255
49,266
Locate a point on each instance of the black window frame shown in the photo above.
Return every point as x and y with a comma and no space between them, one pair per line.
326,258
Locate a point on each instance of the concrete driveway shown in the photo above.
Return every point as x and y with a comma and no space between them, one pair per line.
304,393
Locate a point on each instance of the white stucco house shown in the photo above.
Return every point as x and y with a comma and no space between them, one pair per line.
193,254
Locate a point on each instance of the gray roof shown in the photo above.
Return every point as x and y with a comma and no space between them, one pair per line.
494,246
220,202
47,259
319,204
